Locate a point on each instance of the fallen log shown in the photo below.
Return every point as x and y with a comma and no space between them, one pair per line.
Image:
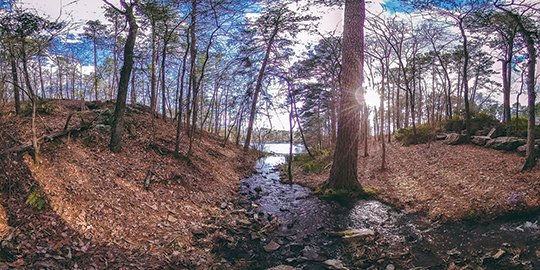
43,139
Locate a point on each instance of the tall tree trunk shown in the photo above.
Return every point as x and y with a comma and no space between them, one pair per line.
193,75
258,87
344,172
181,100
466,82
41,83
530,160
163,84
153,94
381,109
133,91
33,100
95,69
117,124
15,77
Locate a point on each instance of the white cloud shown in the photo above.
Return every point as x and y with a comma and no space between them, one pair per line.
76,11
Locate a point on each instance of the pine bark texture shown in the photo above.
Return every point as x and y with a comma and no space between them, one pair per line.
344,172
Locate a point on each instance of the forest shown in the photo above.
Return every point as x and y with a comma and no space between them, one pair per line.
255,134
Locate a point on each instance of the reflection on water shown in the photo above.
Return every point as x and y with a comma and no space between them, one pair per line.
283,148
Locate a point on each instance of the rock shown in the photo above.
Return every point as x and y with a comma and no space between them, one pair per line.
223,205
283,267
482,132
390,267
197,231
499,254
172,219
271,246
523,149
505,143
495,132
312,254
335,264
480,140
357,233
453,252
453,139
440,137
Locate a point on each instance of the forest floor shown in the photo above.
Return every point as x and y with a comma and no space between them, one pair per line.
96,212
446,182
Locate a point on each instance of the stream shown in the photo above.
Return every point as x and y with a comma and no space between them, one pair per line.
377,236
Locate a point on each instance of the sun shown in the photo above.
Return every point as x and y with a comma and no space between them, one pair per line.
372,98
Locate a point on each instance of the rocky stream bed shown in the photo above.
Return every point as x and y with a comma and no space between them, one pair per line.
274,225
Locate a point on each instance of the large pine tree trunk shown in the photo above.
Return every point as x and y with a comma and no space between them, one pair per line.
344,172
117,125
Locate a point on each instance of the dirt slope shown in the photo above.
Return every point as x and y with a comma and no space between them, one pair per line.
98,211
447,182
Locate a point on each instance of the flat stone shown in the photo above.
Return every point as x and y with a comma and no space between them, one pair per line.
335,264
453,139
505,143
390,267
271,246
172,219
480,140
283,267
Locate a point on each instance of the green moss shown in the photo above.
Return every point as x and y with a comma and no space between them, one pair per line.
344,195
36,200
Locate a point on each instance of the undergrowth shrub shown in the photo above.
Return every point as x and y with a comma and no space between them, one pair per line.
479,121
424,134
518,127
36,200
454,124
315,164
42,107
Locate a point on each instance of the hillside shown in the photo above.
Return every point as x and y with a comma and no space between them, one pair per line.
96,209
445,182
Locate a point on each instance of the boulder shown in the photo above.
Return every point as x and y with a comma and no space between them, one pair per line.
482,132
480,140
453,139
495,132
335,265
505,143
272,246
440,137
522,150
